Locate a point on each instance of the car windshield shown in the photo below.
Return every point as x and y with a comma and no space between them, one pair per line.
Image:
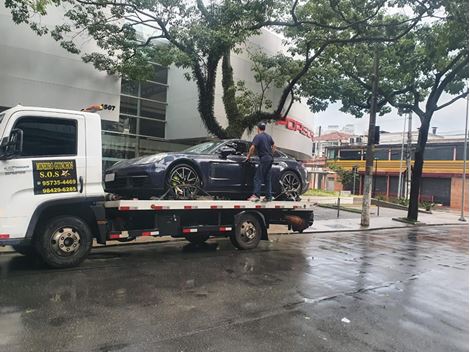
1,117
203,148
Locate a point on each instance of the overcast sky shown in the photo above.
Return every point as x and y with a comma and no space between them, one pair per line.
449,120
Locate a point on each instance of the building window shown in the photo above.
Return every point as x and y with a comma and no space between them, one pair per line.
141,125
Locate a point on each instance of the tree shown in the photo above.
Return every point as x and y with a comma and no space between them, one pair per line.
414,73
199,35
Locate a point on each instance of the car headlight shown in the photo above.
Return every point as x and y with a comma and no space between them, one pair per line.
151,159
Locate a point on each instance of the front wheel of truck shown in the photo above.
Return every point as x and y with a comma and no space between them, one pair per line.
64,241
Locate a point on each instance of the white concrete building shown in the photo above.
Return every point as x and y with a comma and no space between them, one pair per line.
143,117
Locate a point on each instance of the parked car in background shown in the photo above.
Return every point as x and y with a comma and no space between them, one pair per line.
216,168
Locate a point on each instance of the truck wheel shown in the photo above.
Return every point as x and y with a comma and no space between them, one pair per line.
64,241
197,238
248,232
27,250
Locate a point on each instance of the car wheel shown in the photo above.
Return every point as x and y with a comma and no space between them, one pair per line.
291,185
184,182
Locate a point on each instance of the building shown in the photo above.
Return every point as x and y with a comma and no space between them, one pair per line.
140,118
442,173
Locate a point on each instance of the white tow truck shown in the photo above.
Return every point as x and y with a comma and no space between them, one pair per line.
52,202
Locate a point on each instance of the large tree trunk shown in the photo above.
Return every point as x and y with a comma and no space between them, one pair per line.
418,168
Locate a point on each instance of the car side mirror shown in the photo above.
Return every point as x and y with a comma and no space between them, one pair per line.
226,151
12,146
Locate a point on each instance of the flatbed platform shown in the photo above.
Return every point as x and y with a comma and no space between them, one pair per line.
131,205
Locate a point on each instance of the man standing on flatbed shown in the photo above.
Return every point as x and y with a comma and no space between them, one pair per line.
263,145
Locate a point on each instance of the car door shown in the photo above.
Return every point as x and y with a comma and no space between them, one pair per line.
51,165
228,175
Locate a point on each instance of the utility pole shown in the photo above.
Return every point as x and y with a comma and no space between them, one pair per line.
365,215
462,217
400,183
408,156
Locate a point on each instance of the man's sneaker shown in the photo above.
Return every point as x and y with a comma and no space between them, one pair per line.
253,198
265,199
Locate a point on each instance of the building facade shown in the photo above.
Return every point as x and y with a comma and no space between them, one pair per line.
140,118
441,181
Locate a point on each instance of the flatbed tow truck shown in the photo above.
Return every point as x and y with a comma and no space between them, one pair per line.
52,202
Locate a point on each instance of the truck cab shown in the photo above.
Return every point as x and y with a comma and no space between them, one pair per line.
50,160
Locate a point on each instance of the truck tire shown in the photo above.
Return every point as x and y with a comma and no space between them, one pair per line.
26,250
197,238
64,241
248,232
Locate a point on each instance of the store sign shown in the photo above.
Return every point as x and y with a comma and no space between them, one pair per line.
296,126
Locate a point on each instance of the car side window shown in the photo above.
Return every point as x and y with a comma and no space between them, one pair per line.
44,136
242,148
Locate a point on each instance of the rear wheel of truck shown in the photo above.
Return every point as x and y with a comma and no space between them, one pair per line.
248,232
64,241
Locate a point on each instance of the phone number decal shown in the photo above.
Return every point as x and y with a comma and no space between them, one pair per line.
54,176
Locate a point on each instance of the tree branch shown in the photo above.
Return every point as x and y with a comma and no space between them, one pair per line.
450,102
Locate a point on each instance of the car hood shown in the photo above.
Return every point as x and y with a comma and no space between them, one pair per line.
149,159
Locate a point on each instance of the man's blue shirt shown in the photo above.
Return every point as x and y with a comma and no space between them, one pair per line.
263,143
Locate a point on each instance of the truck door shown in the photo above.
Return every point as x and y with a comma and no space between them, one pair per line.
50,166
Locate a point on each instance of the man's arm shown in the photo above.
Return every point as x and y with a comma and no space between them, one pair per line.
251,152
273,148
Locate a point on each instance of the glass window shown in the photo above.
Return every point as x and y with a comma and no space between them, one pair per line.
151,128
203,148
160,74
128,105
43,136
129,87
153,91
152,110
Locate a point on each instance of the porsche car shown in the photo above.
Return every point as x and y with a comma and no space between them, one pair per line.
215,168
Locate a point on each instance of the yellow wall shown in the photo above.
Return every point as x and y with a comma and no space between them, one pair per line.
392,166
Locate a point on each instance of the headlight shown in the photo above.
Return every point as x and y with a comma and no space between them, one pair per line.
151,159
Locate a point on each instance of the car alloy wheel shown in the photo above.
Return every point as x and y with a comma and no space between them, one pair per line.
184,181
290,185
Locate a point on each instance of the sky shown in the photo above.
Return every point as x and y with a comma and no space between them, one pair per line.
450,120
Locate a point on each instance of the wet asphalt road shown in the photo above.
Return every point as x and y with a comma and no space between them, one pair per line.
400,290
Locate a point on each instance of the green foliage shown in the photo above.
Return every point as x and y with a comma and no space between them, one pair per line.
197,35
344,176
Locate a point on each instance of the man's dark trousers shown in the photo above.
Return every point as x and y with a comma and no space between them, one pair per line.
263,174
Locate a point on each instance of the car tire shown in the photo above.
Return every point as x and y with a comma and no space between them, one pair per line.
64,241
248,232
291,186
189,172
197,238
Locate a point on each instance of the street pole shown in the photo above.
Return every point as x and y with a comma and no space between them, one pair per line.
354,180
401,159
375,178
462,217
408,156
365,214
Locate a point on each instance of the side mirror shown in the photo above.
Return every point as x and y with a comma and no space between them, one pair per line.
13,146
226,151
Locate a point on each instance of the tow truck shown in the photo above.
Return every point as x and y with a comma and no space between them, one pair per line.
52,202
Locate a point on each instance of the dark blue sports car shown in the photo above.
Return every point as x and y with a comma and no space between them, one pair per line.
215,168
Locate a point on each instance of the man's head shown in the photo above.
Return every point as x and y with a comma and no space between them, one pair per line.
261,126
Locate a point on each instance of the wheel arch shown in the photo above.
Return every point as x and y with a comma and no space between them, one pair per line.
77,207
183,161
